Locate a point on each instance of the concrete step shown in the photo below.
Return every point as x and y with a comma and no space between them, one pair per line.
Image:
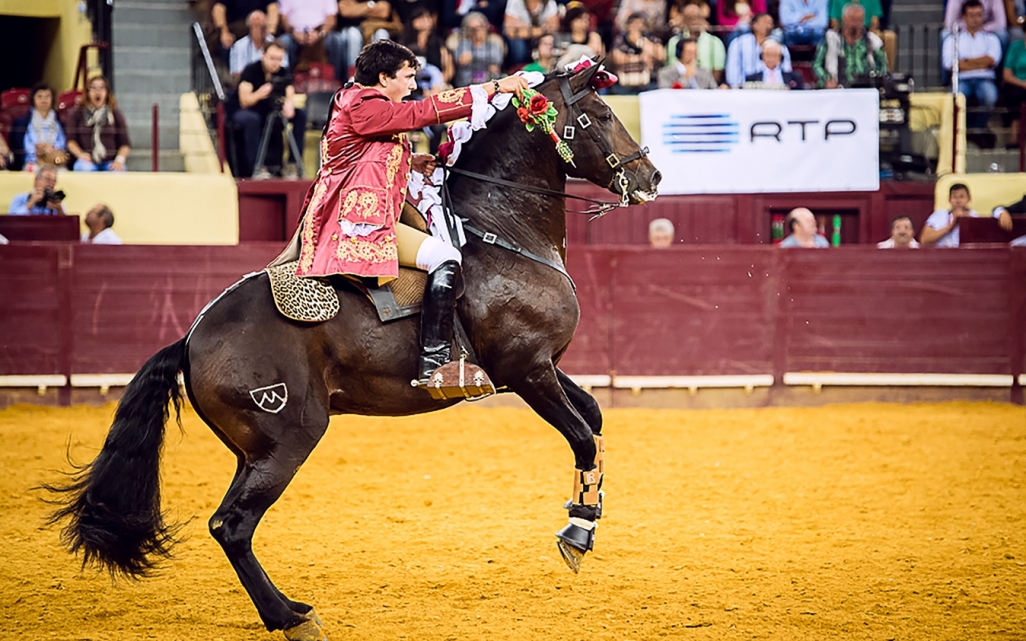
143,35
141,102
147,81
141,134
152,58
169,160
991,160
152,13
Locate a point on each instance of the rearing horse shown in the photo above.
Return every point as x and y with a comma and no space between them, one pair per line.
266,385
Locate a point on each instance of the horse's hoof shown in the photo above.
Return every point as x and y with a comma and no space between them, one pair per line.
308,630
571,555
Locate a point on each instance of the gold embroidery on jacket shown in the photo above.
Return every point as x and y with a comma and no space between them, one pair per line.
451,96
394,160
358,250
361,203
309,226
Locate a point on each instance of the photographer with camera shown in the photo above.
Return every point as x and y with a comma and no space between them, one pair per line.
265,95
43,200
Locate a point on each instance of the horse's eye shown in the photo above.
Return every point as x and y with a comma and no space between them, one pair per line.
606,116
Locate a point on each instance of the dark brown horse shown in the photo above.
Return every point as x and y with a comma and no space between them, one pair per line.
266,385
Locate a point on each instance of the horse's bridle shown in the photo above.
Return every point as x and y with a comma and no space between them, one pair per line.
618,171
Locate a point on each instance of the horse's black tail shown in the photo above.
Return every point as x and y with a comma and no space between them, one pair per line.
112,505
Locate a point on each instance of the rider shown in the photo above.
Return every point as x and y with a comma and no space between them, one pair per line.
351,214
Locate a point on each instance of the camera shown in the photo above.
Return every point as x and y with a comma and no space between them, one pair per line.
278,86
53,196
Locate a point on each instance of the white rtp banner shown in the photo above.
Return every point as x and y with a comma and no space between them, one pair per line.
751,141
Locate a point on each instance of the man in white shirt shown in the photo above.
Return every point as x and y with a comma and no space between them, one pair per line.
979,53
743,53
902,235
99,220
250,49
941,228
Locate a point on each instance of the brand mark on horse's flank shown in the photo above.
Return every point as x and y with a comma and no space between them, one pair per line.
271,398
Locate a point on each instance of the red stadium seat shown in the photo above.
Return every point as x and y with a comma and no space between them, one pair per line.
66,101
16,101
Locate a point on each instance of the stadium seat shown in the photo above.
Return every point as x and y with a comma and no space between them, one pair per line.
16,101
66,101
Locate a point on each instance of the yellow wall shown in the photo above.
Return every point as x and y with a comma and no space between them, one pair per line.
986,191
154,209
74,31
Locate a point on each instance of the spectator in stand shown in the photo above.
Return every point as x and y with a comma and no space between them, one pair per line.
903,235
735,17
42,200
685,72
265,87
661,233
636,56
843,58
250,48
802,224
994,18
744,56
1013,91
454,11
941,228
1014,208
478,56
97,131
367,21
653,12
44,141
308,34
544,59
99,221
804,21
712,55
873,24
979,53
527,20
6,157
421,36
229,18
577,29
773,74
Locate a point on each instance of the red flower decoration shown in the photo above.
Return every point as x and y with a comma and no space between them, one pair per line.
539,104
445,150
525,115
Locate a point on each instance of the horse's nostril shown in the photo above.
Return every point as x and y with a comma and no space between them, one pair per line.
656,177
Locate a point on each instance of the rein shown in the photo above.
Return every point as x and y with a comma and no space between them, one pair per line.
603,205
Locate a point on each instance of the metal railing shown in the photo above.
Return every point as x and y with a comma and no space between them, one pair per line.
210,93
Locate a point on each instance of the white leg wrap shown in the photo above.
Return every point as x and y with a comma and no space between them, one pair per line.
433,252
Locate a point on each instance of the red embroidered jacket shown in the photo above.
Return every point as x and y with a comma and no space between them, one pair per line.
352,208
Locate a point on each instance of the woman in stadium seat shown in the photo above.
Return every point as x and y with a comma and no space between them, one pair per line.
97,131
44,141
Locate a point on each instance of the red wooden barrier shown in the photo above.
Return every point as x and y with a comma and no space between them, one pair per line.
706,310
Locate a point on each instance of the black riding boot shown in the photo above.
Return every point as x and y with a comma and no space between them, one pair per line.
436,319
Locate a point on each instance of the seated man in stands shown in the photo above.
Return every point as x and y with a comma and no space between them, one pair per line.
230,19
99,220
660,233
873,24
744,55
773,74
802,224
903,235
854,54
308,30
42,200
804,21
97,131
685,72
941,228
979,53
265,90
250,48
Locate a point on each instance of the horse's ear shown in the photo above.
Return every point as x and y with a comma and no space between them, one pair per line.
582,77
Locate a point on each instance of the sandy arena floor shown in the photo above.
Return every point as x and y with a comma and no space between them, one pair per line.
852,522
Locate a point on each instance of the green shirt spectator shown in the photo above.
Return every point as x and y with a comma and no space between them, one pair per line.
840,61
1015,60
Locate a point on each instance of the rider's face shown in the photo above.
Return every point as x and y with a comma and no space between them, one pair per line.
397,88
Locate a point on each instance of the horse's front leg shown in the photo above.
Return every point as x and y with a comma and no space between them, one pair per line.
546,390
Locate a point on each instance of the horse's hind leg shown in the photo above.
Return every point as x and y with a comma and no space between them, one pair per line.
544,391
259,482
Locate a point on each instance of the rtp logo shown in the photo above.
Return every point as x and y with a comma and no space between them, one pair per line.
700,133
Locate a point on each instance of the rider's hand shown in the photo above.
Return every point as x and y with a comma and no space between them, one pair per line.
513,84
423,164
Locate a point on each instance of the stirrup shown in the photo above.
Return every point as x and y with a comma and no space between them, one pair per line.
457,379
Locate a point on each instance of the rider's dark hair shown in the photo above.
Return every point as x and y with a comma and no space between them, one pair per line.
383,56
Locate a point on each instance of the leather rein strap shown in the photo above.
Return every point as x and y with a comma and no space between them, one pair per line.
492,239
603,204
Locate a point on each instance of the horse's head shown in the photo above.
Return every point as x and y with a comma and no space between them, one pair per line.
604,152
